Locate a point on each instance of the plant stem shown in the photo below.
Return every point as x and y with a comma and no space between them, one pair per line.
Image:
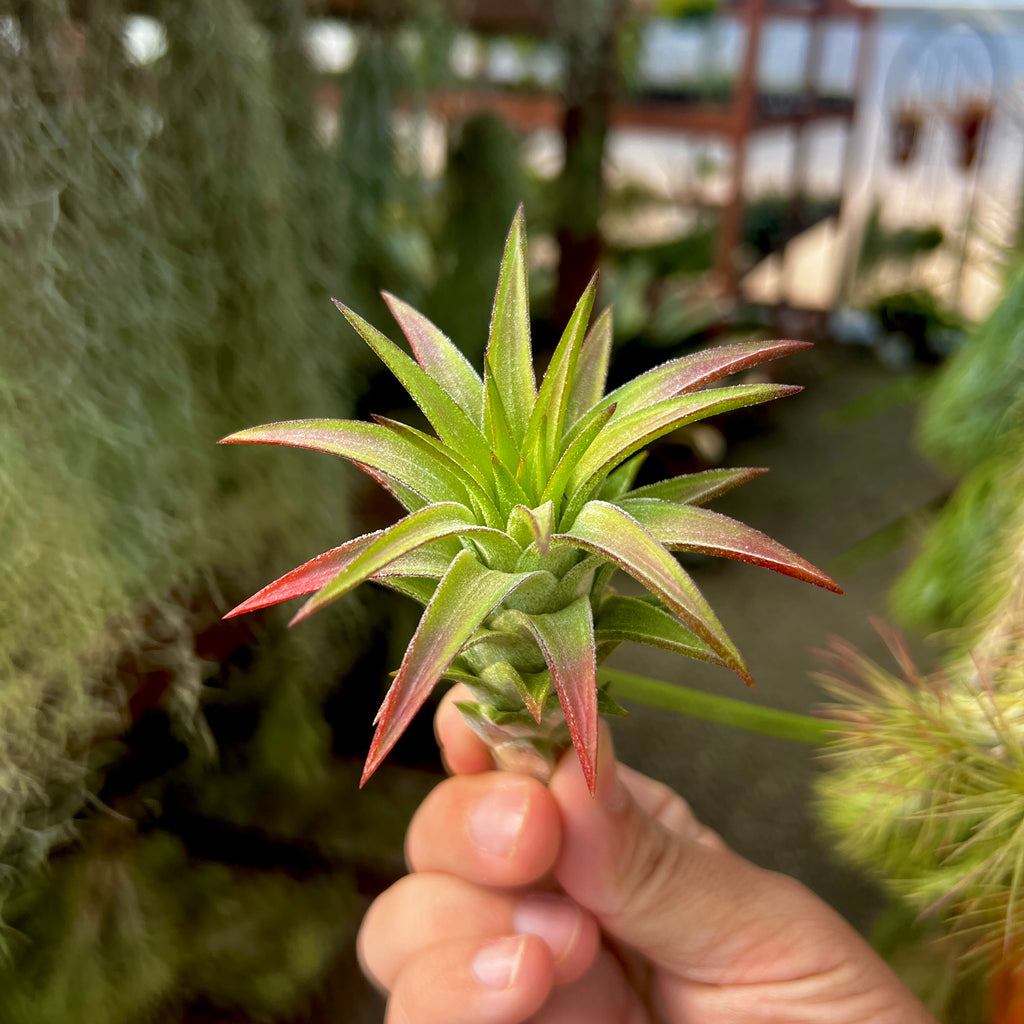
781,725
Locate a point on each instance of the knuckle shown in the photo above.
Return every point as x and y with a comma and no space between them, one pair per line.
655,864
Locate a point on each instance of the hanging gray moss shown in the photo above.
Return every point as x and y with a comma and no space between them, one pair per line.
154,300
169,239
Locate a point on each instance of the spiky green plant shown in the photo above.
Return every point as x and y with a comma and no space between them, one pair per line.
521,509
925,788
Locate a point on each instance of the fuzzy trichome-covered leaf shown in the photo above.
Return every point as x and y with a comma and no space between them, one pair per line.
521,506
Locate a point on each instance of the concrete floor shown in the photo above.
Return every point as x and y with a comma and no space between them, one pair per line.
836,479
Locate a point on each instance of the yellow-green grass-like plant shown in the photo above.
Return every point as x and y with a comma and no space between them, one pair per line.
521,507
925,788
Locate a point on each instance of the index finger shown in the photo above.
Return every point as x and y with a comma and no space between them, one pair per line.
462,751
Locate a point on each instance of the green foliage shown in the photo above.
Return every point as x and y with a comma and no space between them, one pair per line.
902,244
925,787
767,222
691,253
920,316
483,184
682,10
977,403
386,245
959,573
973,425
134,931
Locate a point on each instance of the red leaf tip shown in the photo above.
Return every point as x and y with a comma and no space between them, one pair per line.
368,770
590,775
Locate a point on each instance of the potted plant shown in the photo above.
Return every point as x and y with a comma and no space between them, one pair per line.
907,121
971,120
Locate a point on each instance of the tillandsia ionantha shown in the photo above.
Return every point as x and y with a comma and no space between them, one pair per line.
519,511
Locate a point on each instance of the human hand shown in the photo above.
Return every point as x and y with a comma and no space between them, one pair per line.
547,905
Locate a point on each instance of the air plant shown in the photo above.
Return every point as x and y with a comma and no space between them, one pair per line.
925,788
925,785
520,509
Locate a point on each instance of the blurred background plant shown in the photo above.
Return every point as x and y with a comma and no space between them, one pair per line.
925,782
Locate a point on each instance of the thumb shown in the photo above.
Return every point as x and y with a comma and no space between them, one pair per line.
662,884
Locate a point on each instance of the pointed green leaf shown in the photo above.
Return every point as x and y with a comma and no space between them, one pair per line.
366,444
405,496
509,358
687,528
532,688
535,689
308,577
497,690
697,488
620,480
420,589
566,638
444,519
441,359
579,580
534,463
607,706
542,445
458,469
630,619
445,415
487,646
536,525
496,425
588,381
464,599
535,595
494,548
623,437
600,589
508,490
557,562
570,460
609,531
430,561
686,374
456,674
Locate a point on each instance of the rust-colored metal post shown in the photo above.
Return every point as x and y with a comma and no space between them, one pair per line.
590,31
744,115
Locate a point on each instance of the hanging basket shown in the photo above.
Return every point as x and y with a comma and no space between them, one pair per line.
971,122
906,134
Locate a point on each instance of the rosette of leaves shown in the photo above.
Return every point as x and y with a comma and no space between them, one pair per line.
520,509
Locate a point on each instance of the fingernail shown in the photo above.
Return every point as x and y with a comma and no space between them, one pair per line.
611,790
614,796
496,965
555,920
497,820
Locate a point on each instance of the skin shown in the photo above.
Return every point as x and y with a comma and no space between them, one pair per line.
528,903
